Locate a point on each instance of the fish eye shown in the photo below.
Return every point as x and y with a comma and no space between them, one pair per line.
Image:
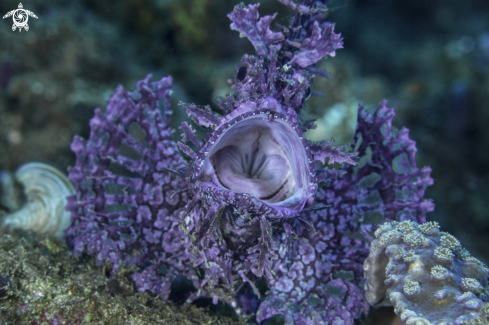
241,73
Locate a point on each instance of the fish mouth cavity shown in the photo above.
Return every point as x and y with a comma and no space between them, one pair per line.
262,157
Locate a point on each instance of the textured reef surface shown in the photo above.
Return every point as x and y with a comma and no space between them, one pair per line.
244,204
41,283
425,274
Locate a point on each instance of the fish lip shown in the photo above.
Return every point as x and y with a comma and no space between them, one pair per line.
270,115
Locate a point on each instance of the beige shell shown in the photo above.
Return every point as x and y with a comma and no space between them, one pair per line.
46,189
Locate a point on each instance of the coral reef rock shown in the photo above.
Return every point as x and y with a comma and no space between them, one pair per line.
40,283
425,274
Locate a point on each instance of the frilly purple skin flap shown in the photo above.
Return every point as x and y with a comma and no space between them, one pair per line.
247,21
307,42
254,198
124,211
320,275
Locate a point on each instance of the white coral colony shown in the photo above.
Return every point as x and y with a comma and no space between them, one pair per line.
46,189
425,274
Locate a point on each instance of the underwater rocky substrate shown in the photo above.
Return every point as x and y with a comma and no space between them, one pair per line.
41,283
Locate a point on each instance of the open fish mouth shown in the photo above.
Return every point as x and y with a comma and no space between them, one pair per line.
262,157
254,162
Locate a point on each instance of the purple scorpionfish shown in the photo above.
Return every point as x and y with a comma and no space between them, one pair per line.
253,201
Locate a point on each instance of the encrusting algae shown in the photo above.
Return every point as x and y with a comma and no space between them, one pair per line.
41,283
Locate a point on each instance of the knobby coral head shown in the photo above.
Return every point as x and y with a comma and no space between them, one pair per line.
255,170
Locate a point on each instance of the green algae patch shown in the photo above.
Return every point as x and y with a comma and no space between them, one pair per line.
41,283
